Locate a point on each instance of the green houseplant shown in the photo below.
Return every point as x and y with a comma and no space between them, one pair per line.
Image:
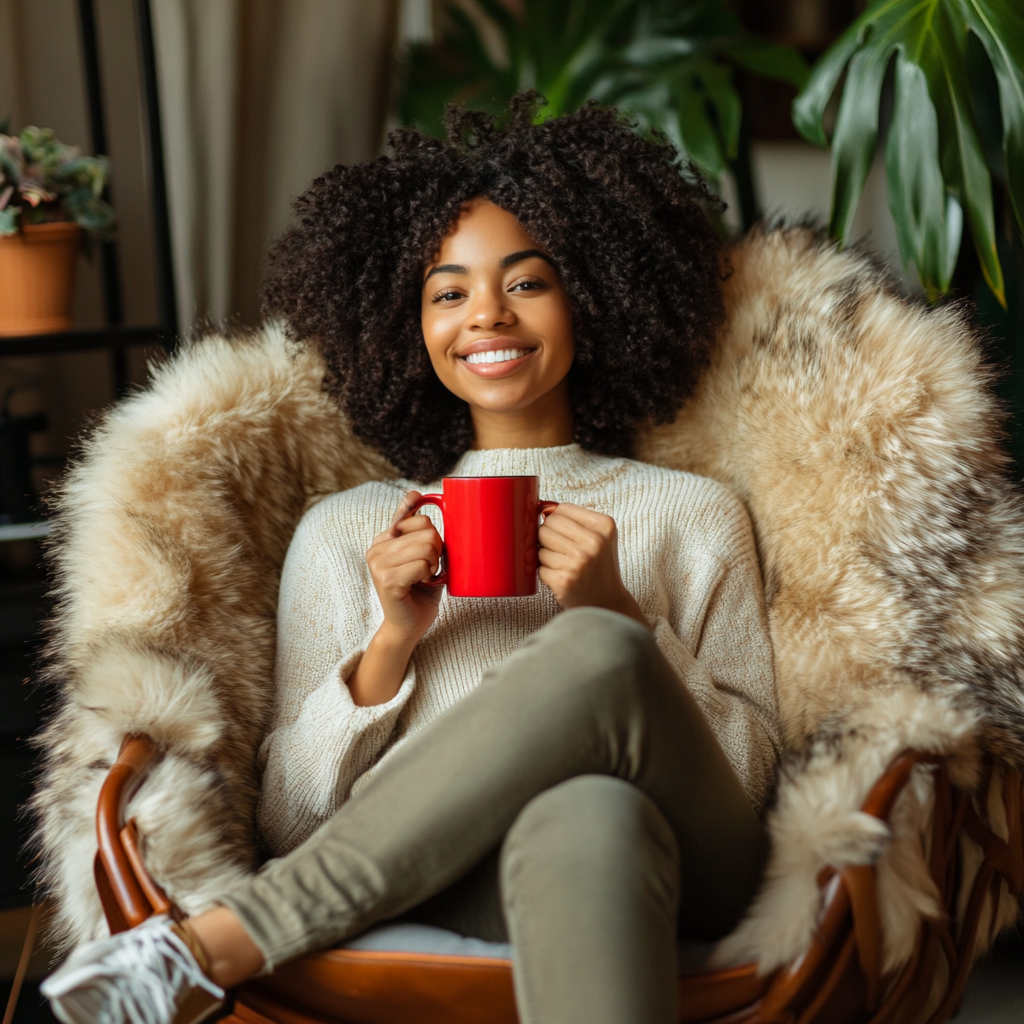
953,73
669,63
957,125
49,194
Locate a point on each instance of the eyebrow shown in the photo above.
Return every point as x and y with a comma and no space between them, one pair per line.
506,261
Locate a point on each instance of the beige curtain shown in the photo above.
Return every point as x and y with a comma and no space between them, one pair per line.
257,98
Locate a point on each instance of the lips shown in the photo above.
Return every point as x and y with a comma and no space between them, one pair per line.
495,357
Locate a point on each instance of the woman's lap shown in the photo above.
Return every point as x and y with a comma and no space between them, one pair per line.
472,905
588,694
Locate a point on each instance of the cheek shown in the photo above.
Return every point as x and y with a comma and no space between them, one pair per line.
561,327
434,337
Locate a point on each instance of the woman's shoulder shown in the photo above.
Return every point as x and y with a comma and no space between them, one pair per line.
689,498
367,495
680,484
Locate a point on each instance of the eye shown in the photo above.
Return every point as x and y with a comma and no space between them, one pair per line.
528,284
446,295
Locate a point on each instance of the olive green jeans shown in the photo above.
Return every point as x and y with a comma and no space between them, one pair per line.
576,802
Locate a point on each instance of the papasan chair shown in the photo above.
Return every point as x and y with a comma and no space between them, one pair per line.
857,426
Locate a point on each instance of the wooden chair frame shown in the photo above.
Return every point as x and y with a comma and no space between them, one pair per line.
838,980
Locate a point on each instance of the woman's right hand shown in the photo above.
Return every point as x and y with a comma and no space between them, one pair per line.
401,558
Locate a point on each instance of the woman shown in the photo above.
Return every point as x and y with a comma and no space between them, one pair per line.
580,772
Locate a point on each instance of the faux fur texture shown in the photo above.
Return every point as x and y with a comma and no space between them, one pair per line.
172,530
856,425
859,429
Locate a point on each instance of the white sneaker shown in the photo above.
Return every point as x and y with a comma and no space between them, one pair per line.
147,975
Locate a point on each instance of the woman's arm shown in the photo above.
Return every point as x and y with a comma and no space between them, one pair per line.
400,558
719,644
322,738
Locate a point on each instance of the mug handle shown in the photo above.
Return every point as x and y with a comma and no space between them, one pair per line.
544,507
437,500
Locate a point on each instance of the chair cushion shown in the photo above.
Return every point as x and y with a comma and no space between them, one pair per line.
398,973
408,937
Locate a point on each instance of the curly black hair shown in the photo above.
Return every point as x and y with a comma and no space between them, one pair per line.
626,225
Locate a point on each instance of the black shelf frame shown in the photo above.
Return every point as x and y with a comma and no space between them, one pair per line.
115,337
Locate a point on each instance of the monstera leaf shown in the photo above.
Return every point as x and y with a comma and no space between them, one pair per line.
669,63
936,166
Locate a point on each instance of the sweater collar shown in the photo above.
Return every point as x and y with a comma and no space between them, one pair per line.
567,463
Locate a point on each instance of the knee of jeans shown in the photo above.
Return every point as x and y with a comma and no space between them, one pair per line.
599,626
606,646
592,828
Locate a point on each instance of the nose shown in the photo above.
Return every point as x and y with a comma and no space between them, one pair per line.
489,310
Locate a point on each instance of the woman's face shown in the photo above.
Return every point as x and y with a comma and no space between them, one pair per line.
496,320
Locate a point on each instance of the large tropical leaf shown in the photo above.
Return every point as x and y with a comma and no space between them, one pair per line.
999,25
935,163
667,62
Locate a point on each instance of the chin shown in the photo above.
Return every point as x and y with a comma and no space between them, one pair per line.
499,399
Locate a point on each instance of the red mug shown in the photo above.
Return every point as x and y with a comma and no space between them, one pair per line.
490,534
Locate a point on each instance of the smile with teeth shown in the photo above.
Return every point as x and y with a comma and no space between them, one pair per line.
500,356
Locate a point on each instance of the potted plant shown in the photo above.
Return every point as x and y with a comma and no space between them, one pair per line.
49,193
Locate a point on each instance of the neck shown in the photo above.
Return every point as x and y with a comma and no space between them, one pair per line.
546,423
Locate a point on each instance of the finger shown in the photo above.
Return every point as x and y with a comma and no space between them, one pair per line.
577,527
416,525
413,523
552,540
404,508
380,539
561,533
553,579
581,515
553,559
405,526
403,550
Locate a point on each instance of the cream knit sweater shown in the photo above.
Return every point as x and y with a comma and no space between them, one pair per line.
687,556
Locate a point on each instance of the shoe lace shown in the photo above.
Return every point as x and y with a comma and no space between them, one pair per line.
145,978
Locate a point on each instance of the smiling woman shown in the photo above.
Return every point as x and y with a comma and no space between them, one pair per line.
624,224
579,771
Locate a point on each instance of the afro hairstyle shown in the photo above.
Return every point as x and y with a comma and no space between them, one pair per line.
626,225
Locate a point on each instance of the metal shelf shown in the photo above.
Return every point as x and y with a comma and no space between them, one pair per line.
25,531
115,337
85,340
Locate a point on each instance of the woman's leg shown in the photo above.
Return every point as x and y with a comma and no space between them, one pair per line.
470,906
588,694
590,886
588,894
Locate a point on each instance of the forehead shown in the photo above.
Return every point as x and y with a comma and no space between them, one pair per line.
482,233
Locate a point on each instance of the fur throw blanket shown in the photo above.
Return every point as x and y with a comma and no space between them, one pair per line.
856,425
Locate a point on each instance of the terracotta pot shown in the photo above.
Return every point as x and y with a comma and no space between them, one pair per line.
37,278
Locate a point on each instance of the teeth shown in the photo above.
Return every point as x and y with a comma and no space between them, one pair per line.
501,356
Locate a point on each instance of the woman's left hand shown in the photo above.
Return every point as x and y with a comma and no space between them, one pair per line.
579,561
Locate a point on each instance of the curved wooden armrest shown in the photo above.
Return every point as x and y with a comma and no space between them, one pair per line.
849,924
839,977
129,895
127,892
